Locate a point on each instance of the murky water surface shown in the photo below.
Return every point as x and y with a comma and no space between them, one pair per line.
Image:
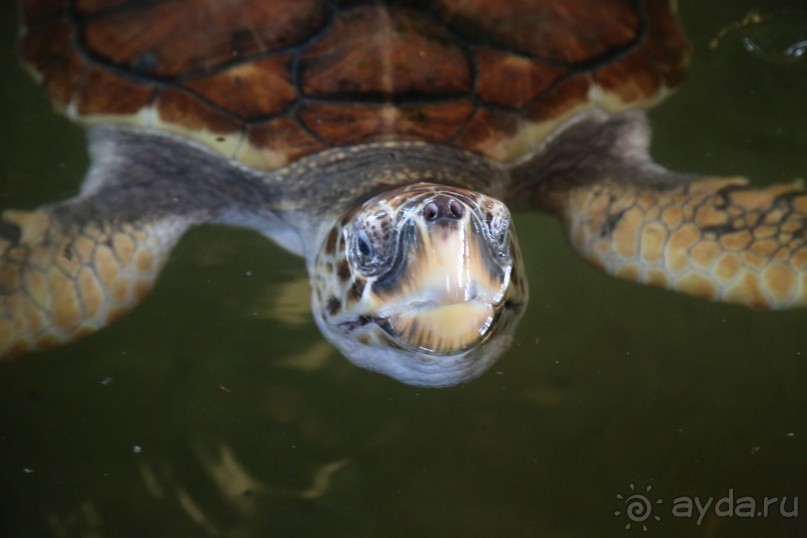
217,408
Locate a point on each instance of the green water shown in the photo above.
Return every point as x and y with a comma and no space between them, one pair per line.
216,408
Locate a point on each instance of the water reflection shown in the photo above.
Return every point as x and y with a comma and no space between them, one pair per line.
778,37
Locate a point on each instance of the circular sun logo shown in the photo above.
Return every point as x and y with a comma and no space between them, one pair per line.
638,507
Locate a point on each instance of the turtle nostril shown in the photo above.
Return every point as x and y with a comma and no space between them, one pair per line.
443,207
431,211
454,209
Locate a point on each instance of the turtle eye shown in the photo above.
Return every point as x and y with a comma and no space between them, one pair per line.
372,243
363,245
365,253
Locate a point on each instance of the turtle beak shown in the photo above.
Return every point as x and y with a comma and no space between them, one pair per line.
450,289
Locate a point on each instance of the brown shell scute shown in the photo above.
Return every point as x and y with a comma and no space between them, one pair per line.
660,61
379,52
279,141
183,109
97,94
260,88
563,31
512,81
269,81
176,39
345,124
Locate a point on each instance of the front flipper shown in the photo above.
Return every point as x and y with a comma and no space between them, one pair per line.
61,279
716,238
70,268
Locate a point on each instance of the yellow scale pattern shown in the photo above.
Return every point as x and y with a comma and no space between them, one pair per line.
715,238
57,285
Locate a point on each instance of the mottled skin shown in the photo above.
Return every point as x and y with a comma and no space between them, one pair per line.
718,238
384,143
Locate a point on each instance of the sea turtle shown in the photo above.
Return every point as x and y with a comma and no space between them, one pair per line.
381,141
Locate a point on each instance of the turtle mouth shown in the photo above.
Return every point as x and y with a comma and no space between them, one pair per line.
446,295
441,329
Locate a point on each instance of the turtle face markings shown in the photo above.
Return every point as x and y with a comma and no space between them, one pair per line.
420,283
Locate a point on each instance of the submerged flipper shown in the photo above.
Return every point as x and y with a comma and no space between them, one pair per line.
70,268
713,237
716,238
62,279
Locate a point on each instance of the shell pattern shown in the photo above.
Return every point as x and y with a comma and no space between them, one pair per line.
267,82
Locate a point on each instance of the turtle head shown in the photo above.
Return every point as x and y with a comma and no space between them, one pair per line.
423,283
